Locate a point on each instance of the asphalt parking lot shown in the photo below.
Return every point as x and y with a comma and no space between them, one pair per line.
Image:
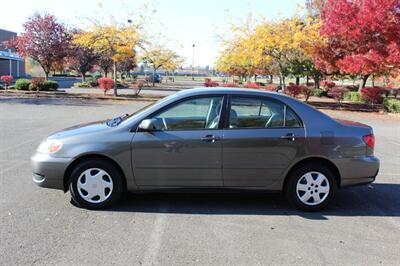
40,226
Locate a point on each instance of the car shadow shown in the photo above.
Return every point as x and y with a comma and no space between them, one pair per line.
372,200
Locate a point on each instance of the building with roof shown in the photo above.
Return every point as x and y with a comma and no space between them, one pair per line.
10,62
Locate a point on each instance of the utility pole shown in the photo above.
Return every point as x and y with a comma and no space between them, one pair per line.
193,62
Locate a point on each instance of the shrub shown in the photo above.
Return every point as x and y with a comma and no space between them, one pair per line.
105,84
82,85
337,93
307,92
250,85
230,85
36,84
211,83
271,87
1,88
372,95
49,85
7,80
93,83
294,90
22,84
327,84
391,105
319,93
353,96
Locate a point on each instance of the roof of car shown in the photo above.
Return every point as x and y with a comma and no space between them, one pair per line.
218,90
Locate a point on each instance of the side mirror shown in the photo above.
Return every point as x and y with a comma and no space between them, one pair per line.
148,125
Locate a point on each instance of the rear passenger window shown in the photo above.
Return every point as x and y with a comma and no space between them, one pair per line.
291,119
254,112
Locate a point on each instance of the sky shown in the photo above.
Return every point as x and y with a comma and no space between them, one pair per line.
182,22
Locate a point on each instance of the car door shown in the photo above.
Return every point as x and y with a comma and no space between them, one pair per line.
186,149
261,140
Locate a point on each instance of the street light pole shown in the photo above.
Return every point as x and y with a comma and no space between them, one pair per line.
193,62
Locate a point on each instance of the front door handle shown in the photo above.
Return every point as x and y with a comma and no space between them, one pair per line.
210,138
289,136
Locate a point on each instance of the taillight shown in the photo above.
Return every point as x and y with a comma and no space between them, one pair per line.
369,140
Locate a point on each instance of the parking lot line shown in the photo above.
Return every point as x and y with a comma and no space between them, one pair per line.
153,248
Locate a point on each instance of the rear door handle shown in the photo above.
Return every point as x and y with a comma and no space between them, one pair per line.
289,136
210,138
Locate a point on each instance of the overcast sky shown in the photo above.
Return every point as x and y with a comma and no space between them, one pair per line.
184,22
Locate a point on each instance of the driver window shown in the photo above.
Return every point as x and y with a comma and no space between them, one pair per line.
256,113
197,113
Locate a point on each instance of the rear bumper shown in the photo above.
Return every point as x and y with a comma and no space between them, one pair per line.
48,171
357,171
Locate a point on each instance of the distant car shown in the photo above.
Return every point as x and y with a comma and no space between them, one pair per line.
210,138
156,78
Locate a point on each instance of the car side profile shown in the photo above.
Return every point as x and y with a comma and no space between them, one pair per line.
210,138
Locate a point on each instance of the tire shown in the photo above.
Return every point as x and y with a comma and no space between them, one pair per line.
311,187
96,184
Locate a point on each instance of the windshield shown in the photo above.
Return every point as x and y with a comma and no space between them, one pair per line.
118,120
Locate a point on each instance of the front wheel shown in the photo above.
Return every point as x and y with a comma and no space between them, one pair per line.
95,184
311,187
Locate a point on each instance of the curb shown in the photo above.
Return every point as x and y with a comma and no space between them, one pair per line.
64,95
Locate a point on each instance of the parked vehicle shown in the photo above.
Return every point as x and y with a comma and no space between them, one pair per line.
154,77
210,138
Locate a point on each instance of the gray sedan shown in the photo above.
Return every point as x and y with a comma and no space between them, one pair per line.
234,139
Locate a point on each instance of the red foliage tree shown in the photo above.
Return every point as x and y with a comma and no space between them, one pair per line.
44,40
82,59
7,80
106,84
362,37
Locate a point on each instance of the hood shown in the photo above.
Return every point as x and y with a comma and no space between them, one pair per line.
82,129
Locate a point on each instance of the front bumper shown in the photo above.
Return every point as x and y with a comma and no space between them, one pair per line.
357,171
48,171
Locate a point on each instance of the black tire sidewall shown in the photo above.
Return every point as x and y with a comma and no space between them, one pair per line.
294,176
115,175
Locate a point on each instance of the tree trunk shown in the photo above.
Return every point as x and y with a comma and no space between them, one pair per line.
297,80
115,78
373,80
316,80
307,80
271,78
283,82
83,77
255,78
47,74
280,81
363,82
154,75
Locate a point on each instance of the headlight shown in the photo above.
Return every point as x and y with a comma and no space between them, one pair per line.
50,146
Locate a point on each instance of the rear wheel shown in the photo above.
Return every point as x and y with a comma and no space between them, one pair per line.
311,187
95,184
